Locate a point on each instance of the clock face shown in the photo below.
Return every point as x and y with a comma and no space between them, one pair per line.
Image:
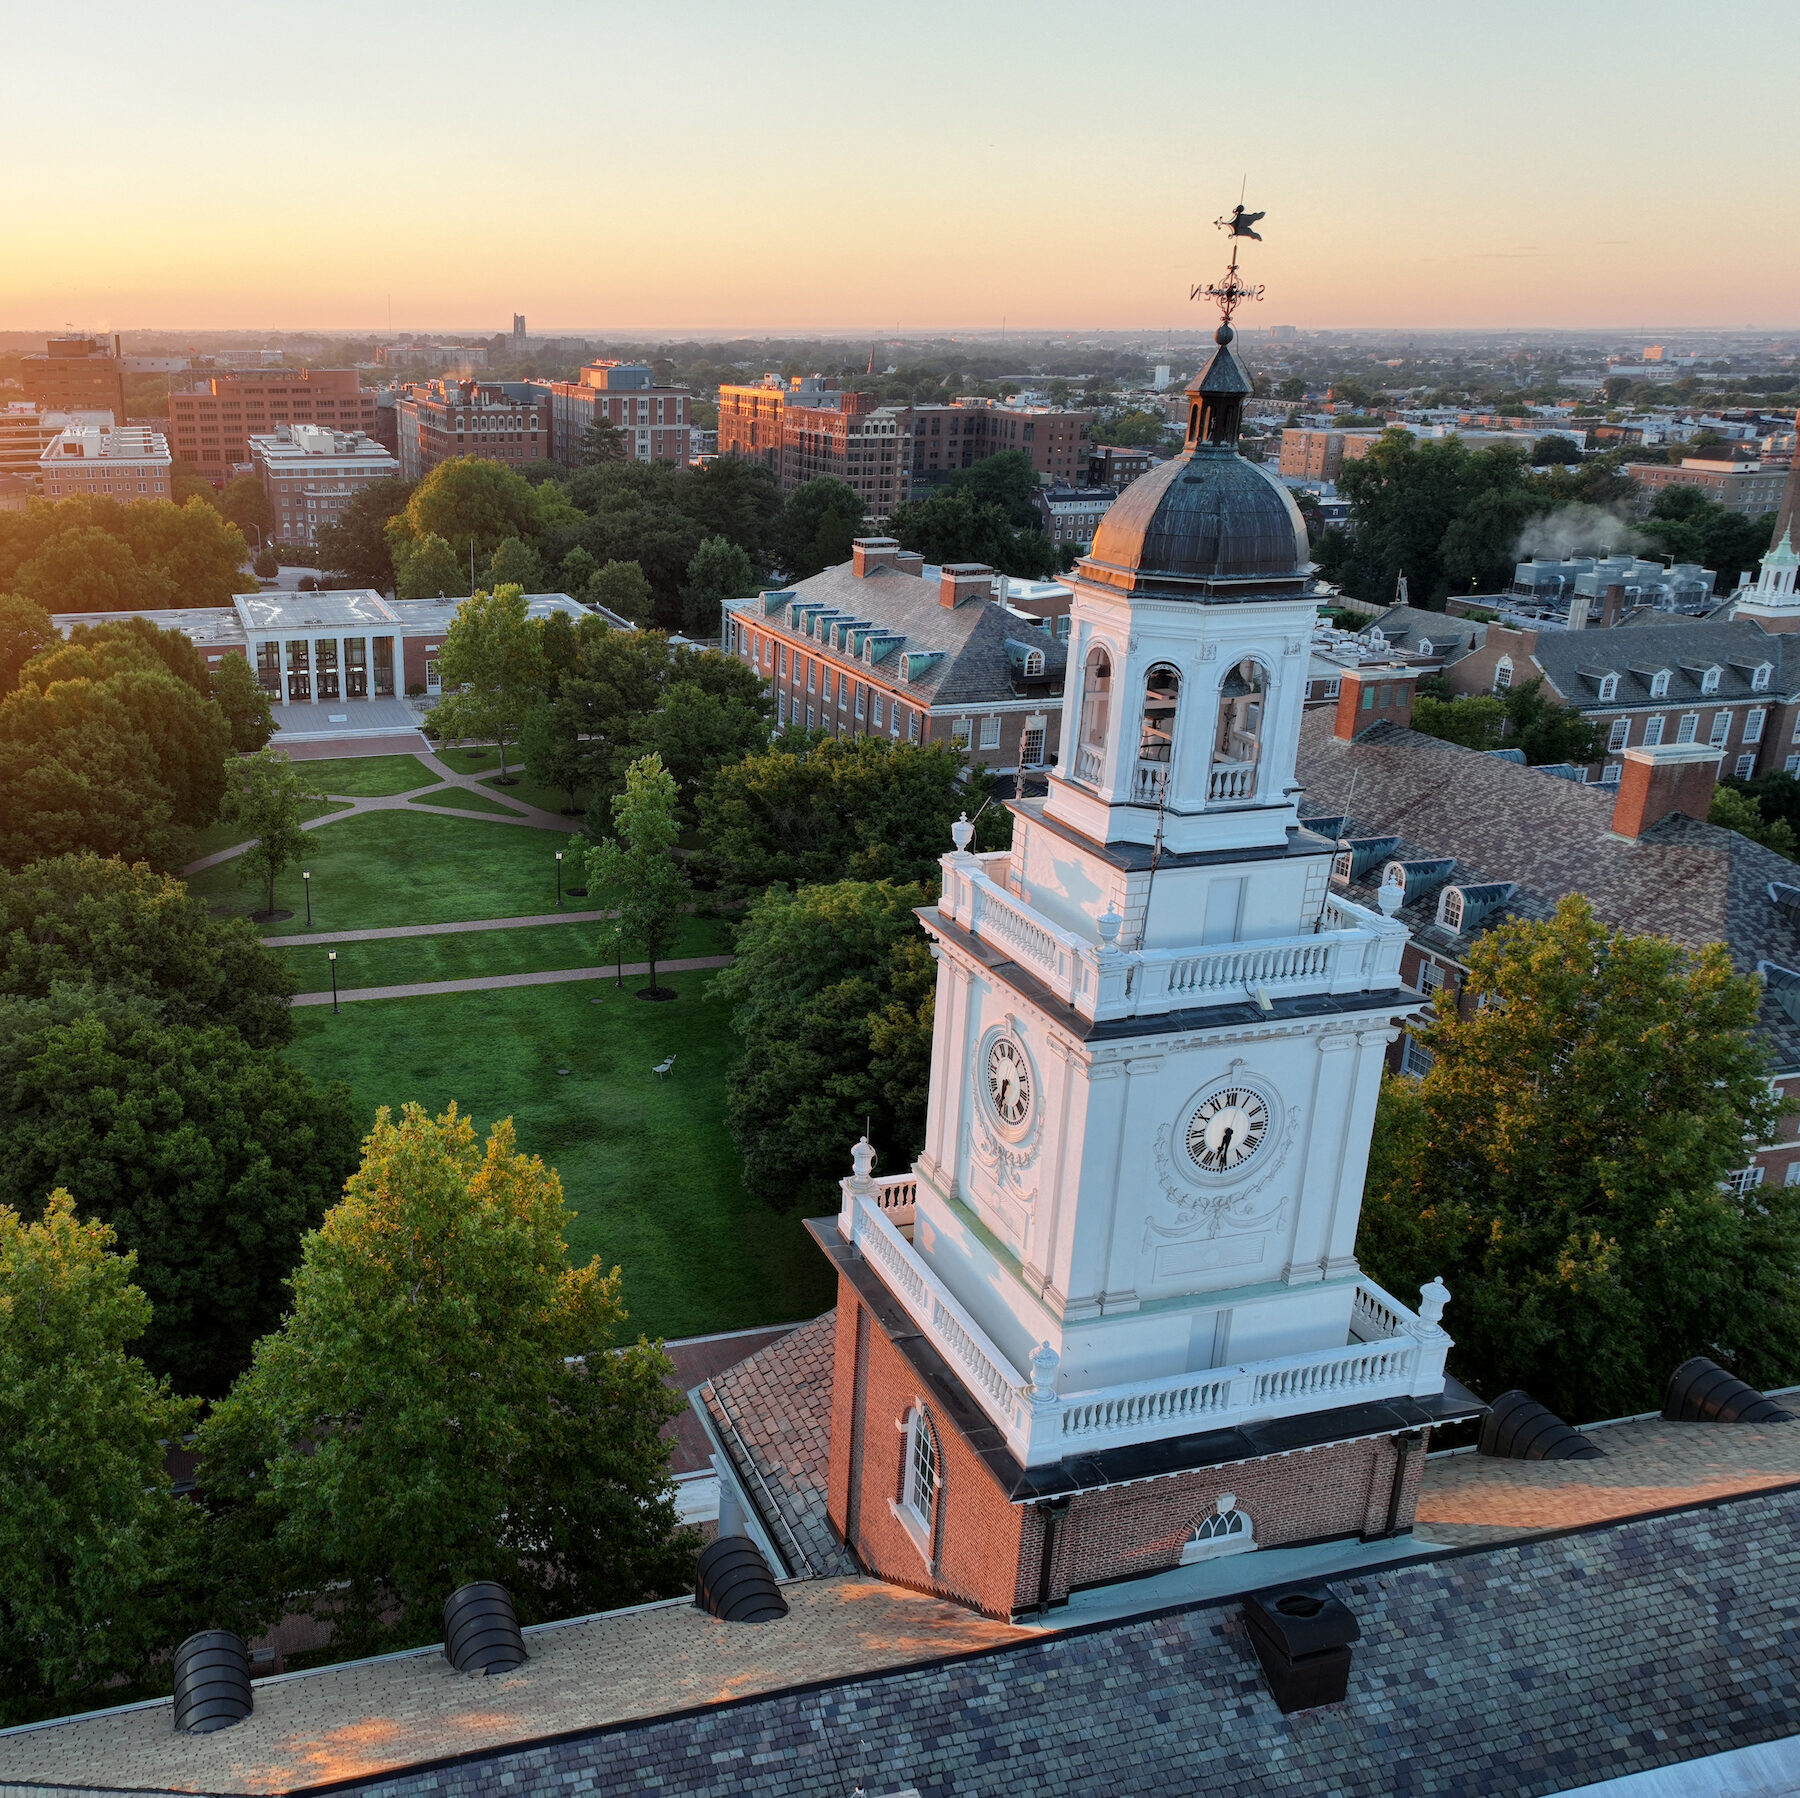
1228,1127
1011,1090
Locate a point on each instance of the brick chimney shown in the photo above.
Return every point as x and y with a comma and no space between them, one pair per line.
1612,605
1672,777
962,581
1373,696
870,553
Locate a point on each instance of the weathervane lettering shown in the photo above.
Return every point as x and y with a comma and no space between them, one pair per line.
1231,292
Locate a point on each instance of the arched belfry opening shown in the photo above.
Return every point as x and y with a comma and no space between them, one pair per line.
1237,737
1096,713
1156,735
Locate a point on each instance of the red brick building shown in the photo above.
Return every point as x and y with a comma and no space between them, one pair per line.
652,421
499,421
78,374
804,431
968,431
211,423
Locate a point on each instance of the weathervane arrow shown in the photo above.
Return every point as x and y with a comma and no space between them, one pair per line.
1231,293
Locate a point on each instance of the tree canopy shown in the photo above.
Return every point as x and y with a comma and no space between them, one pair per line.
97,555
353,546
268,798
638,870
956,527
446,1401
831,995
492,666
1562,1163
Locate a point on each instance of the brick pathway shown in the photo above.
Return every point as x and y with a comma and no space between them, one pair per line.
488,983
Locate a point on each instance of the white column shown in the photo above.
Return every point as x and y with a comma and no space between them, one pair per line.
1359,1127
1313,1221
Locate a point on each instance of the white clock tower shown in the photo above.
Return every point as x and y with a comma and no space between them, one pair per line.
1130,1238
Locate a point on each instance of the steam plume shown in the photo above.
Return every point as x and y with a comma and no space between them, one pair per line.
1576,531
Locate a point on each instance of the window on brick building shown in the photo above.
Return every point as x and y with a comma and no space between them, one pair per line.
1745,767
1031,752
919,1478
1653,732
1620,733
990,733
1225,1531
1689,727
1753,724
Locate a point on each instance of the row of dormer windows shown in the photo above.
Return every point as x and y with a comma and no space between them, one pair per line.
1608,685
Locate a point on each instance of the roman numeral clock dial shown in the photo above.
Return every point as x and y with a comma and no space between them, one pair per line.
1009,1083
1227,1128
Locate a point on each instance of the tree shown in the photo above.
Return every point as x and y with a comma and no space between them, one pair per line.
735,499
1685,524
831,996
578,568
515,564
492,666
210,1158
468,499
555,756
266,565
1006,479
428,568
694,732
454,1412
85,570
1547,731
1136,430
639,870
1557,449
718,572
95,1548
96,555
245,502
85,920
816,527
1777,797
353,547
952,527
1736,810
620,588
1562,1167
268,797
240,696
602,441
814,810
1476,721
25,632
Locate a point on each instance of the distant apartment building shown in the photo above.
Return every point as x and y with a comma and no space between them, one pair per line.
454,359
518,334
78,374
1312,455
1071,515
1116,466
652,421
887,646
501,421
27,430
804,431
311,474
968,431
121,462
211,422
1745,487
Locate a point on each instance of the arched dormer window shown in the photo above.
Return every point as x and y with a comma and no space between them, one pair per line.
1226,1531
1342,867
1034,662
1659,684
1237,737
1096,712
1424,646
1503,673
1709,680
920,1479
1450,908
1156,736
1609,686
1760,676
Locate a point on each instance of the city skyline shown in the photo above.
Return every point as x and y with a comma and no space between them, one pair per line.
1032,166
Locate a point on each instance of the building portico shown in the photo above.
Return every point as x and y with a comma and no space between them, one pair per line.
322,647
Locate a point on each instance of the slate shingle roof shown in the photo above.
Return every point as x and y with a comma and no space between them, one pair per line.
772,1412
1573,660
971,638
1691,881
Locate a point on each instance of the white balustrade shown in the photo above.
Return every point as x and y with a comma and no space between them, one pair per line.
1088,765
1148,782
1231,782
894,1195
1407,1358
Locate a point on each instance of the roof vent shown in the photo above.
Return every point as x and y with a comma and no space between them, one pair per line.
734,1582
1701,1391
481,1629
1515,756
1302,1637
1786,900
1518,1428
212,1682
1782,986
1331,827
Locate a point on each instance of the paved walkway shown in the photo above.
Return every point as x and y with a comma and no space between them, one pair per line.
488,983
532,817
316,937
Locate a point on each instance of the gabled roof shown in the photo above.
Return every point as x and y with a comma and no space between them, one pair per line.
1692,881
1735,648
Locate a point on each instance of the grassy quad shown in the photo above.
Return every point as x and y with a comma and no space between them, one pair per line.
485,765
368,776
647,1165
381,869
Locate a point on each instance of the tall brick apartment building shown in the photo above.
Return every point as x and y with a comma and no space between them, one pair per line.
500,421
970,430
652,421
804,431
78,374
211,422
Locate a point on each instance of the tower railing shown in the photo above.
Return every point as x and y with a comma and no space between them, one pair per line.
1353,950
1040,1423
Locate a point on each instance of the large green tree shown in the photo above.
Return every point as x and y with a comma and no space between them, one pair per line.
1562,1167
86,920
245,502
622,589
718,572
469,499
492,666
96,1550
426,567
817,526
97,555
353,547
818,809
637,869
956,527
831,997
25,632
446,1401
239,695
210,1158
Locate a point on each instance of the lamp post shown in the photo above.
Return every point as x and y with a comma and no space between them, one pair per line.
306,880
559,856
331,956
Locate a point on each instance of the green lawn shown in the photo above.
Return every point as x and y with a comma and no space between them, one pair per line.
368,776
549,799
486,763
227,836
462,800
400,867
647,1165
478,761
402,961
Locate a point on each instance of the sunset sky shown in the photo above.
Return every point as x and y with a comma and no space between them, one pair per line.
701,165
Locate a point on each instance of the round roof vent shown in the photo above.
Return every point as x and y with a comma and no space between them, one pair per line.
734,1582
212,1682
481,1629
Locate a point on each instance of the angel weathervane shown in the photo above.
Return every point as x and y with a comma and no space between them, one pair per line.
1231,292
